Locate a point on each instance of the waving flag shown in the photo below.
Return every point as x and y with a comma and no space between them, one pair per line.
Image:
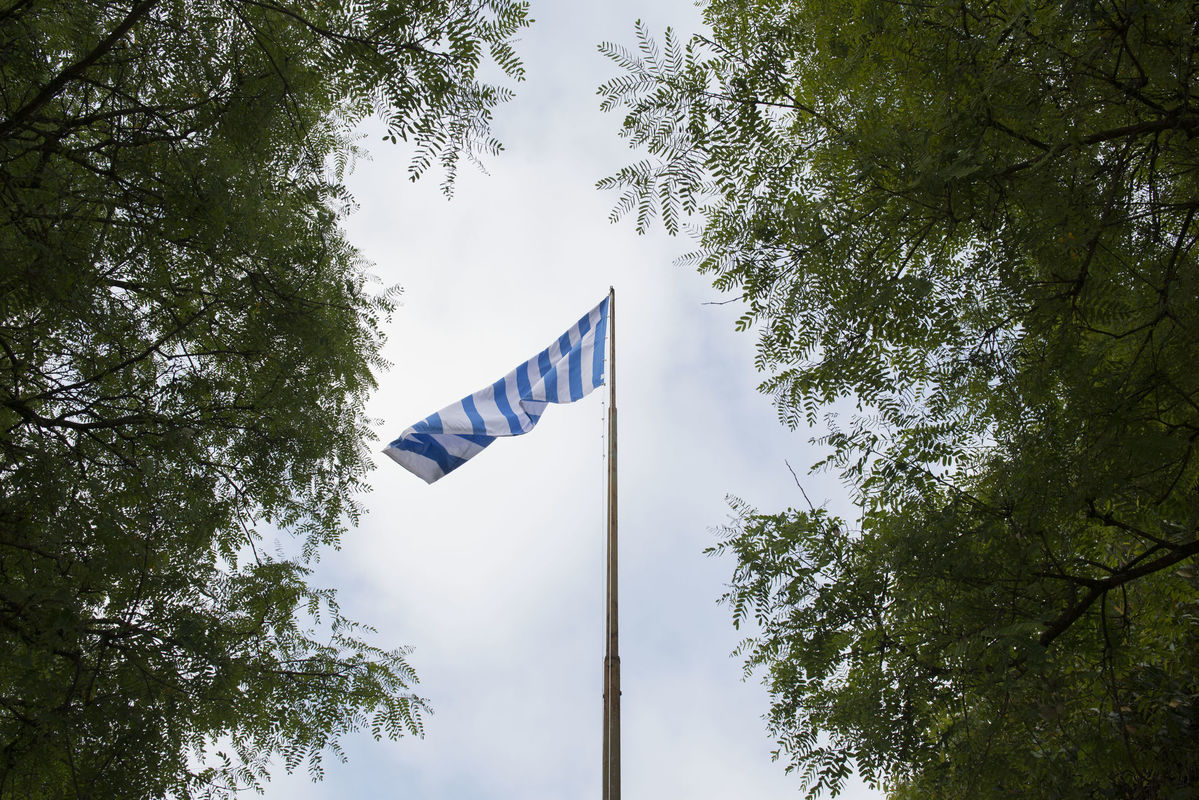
565,371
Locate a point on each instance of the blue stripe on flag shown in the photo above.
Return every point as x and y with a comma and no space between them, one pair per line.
522,379
500,390
576,361
472,413
564,349
430,424
482,440
427,446
549,376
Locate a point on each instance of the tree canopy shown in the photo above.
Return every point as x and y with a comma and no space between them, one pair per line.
187,340
976,221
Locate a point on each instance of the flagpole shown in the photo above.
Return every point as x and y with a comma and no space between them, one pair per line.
611,756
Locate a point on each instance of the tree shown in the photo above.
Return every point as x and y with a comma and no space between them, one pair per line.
976,220
187,340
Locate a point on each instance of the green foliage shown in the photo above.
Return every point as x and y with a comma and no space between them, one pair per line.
978,221
186,345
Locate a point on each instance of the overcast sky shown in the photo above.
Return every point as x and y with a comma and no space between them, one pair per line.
494,575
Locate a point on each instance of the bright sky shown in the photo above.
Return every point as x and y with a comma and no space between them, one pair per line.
494,575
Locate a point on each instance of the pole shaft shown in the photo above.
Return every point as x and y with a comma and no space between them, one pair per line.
611,755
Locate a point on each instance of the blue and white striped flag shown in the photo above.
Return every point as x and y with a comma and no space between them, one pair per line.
563,372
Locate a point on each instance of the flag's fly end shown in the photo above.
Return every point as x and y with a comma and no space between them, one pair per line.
568,370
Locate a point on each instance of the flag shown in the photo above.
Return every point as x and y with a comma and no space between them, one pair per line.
565,371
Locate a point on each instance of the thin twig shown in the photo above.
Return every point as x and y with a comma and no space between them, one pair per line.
797,483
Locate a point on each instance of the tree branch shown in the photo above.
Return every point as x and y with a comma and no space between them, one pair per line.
1174,121
1099,588
52,88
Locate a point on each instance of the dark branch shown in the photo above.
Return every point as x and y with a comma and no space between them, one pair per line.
52,88
1100,587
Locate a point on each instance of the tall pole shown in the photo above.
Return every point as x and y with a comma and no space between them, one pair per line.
611,651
